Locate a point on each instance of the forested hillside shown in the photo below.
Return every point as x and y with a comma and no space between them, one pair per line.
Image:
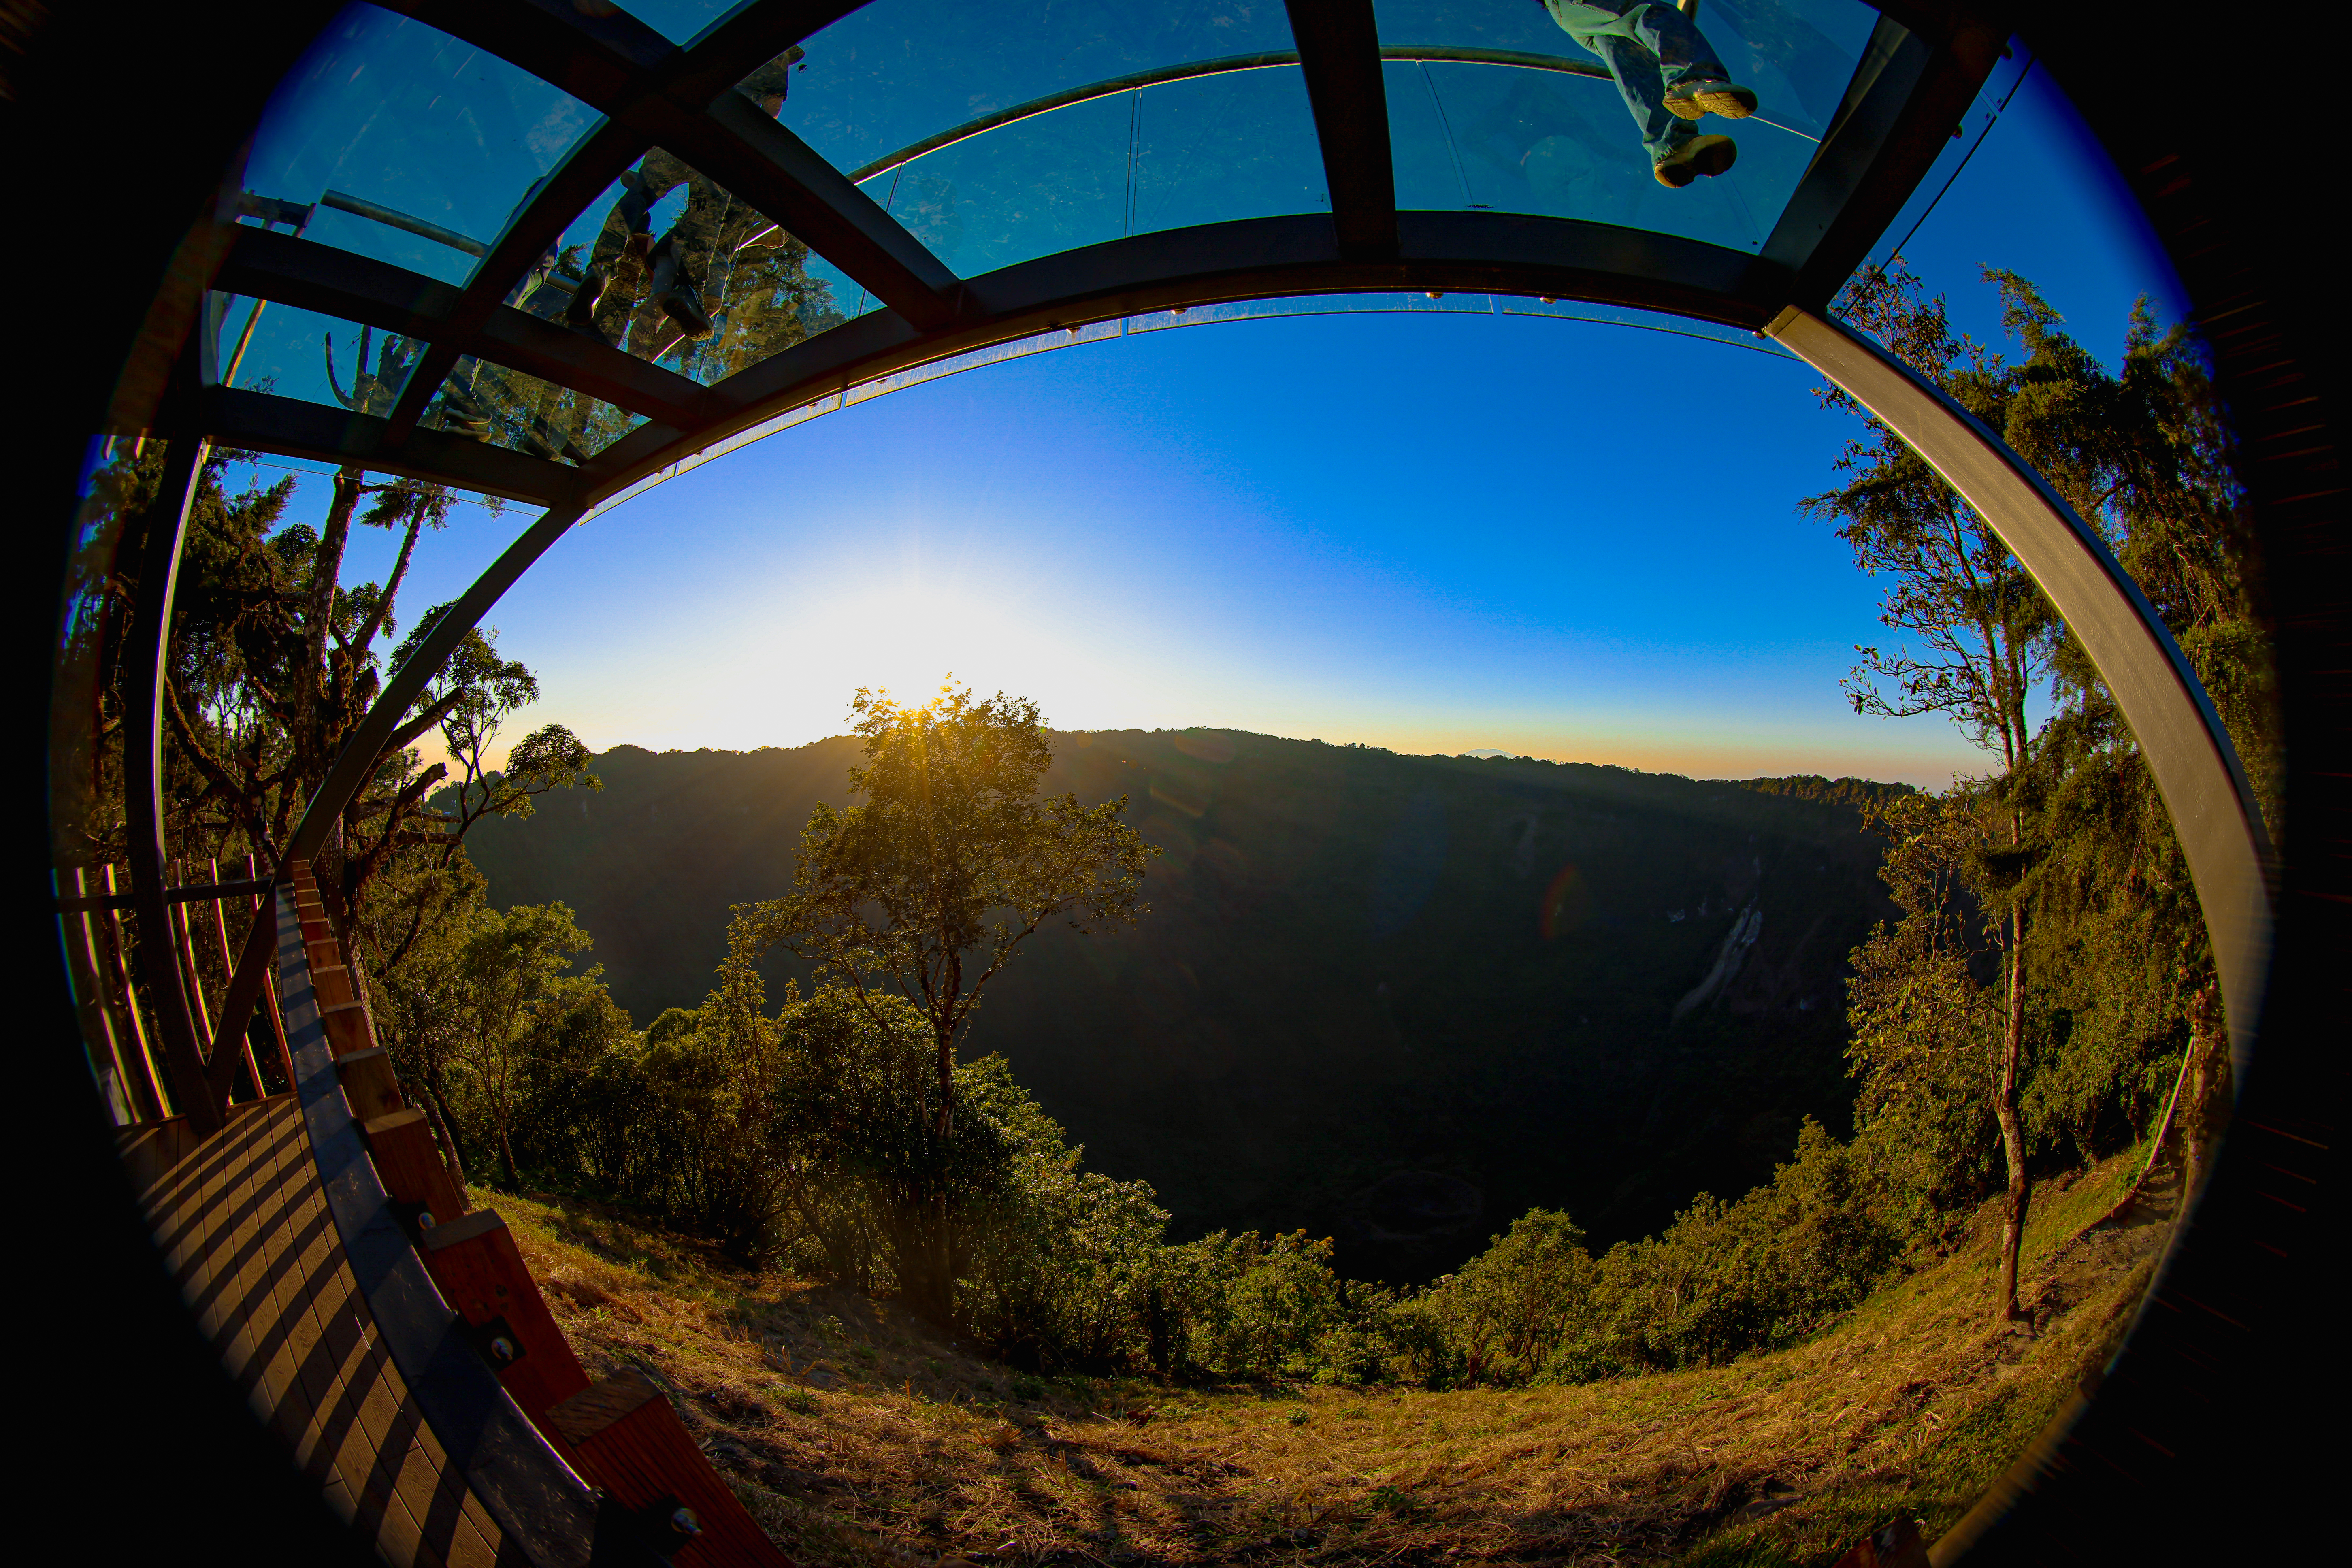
1394,999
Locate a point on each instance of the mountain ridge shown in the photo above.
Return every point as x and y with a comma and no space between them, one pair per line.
1394,999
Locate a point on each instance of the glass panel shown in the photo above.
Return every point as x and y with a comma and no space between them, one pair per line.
506,408
1235,145
679,21
1538,126
394,140
1053,181
844,298
1798,55
886,77
678,255
265,346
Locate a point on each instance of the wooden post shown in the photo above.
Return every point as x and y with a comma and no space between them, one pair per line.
177,914
369,1084
265,907
348,1028
228,968
631,1443
410,1167
333,984
118,973
98,1013
474,1262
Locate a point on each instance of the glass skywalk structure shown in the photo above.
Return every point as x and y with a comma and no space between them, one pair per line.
556,251
855,192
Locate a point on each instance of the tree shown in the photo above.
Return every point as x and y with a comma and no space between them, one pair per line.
510,988
928,890
1985,633
2069,865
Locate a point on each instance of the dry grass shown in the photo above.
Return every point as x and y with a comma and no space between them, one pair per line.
859,1437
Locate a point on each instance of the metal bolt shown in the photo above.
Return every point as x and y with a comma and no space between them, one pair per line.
1437,293
425,1221
502,1350
1548,299
685,1523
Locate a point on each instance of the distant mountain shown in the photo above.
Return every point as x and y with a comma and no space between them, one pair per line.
1394,999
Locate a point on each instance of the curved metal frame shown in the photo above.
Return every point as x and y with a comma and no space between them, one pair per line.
2181,737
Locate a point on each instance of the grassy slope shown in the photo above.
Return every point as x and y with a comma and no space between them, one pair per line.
859,1437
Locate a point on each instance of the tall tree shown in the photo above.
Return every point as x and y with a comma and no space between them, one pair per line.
2073,869
1984,635
953,862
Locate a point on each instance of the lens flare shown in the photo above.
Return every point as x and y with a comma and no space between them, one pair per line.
1564,903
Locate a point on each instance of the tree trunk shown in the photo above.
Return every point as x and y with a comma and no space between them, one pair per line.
2013,1135
2200,1119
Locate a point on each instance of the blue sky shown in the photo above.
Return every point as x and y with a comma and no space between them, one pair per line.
1431,532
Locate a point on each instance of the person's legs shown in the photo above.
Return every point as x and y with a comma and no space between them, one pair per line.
1636,70
1661,62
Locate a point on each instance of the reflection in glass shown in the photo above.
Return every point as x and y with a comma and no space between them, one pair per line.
1231,144
1538,126
291,352
504,407
885,77
402,144
672,267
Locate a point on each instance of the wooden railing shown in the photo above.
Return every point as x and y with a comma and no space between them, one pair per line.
618,1434
118,1020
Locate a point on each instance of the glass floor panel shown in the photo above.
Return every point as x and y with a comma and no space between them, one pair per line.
506,408
1799,54
757,287
268,346
1527,140
891,74
402,144
1234,144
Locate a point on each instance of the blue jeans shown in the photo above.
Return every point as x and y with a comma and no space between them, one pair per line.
1648,47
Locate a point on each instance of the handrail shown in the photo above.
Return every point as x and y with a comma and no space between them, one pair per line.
1227,64
360,206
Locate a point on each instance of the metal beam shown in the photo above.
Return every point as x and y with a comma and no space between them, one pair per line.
1907,97
2180,736
1339,50
143,780
356,763
624,69
591,166
1464,252
336,282
263,422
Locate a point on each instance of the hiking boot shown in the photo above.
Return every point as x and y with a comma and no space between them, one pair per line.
1693,99
1699,156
